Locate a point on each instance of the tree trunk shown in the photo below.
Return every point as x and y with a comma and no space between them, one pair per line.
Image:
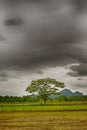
45,99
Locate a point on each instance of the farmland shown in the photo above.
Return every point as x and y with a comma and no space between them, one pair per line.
49,106
64,120
61,116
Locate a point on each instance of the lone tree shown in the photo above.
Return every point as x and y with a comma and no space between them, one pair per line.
44,87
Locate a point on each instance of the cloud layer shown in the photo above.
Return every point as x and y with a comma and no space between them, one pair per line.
37,32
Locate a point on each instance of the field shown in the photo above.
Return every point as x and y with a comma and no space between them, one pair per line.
70,120
37,107
62,116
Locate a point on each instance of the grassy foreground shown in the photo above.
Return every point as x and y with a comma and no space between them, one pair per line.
37,107
28,116
64,120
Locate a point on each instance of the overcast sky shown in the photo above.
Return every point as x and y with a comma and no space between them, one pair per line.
42,38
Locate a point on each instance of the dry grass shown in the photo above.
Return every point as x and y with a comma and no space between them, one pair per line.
64,120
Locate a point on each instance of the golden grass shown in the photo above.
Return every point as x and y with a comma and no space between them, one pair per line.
64,120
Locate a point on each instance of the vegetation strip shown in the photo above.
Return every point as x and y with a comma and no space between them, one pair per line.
41,110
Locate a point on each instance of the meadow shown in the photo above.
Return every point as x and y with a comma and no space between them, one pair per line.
35,116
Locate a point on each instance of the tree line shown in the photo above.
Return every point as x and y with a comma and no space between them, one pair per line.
14,99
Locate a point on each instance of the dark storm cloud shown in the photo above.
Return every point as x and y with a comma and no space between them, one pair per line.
80,79
48,35
13,22
81,5
39,72
3,76
78,70
3,79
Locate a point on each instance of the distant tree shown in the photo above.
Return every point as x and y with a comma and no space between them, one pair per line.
44,87
62,98
76,98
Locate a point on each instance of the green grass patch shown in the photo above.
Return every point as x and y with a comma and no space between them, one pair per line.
41,107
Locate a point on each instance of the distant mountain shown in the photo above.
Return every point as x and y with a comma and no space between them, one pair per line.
78,94
67,92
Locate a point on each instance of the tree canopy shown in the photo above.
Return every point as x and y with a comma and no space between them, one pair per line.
45,87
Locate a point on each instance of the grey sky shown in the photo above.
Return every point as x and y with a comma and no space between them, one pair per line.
36,36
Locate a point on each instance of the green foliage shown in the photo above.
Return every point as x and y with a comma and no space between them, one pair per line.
14,99
62,98
31,98
10,99
77,98
70,98
36,99
44,87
